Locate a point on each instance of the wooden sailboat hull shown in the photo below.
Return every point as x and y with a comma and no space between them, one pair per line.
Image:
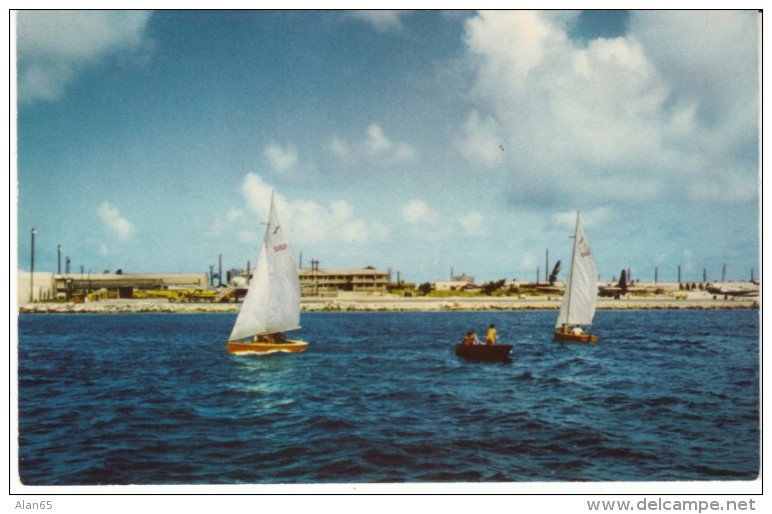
484,352
288,346
575,338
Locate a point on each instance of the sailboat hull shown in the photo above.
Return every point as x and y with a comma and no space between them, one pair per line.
575,338
288,346
484,352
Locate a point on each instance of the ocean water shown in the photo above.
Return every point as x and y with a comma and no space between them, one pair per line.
380,397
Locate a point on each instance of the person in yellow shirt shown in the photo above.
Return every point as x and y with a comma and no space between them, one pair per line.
491,337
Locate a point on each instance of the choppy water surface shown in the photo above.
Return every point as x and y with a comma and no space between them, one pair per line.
380,397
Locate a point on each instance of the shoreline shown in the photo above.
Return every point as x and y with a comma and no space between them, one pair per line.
389,303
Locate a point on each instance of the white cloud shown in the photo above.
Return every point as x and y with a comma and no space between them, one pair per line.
373,147
417,212
567,219
114,222
235,217
382,20
306,221
471,222
380,231
53,47
705,56
664,112
234,214
281,158
247,236
481,141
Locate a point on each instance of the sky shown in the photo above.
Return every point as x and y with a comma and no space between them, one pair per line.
424,143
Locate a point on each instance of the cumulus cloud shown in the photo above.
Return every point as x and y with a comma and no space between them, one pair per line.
481,140
705,57
114,222
234,214
375,146
663,112
53,47
567,219
382,20
281,158
307,221
417,211
471,223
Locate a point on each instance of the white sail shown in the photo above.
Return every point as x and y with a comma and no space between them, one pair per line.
578,307
272,303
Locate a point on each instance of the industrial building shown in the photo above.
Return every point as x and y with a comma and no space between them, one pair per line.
327,282
452,285
46,286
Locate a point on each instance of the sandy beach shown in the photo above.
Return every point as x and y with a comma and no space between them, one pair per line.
385,302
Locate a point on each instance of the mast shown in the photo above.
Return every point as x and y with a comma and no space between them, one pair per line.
570,283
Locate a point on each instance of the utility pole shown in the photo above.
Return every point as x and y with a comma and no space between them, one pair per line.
67,265
219,275
314,270
547,266
679,273
538,274
656,275
32,268
723,273
704,274
59,259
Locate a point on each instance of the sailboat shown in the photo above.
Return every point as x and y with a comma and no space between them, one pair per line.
272,304
580,296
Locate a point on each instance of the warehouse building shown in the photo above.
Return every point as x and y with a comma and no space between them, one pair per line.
328,282
82,287
77,287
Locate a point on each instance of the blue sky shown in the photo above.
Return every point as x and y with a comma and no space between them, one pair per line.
418,142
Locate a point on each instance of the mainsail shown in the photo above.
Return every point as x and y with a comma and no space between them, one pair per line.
272,303
578,307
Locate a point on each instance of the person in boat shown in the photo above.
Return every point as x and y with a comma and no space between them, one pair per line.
470,339
577,331
491,337
277,337
564,329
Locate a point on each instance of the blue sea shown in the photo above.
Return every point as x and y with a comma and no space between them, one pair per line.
380,397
